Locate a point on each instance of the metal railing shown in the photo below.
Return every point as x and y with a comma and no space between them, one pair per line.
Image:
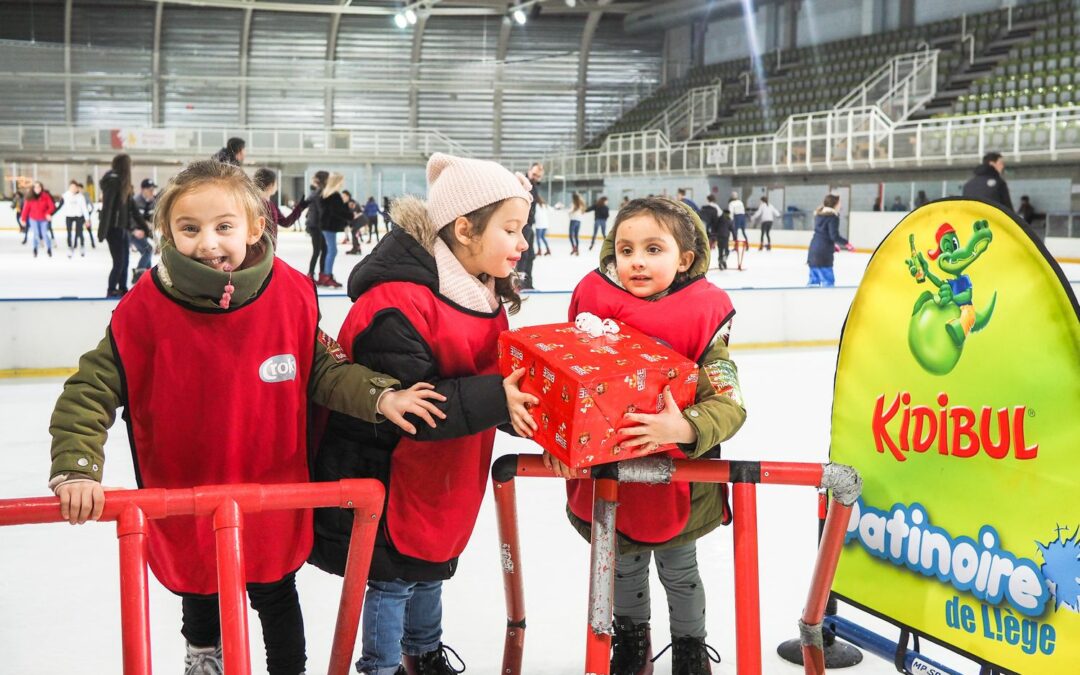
899,87
185,142
836,140
691,114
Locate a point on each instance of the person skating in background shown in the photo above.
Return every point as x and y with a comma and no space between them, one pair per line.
73,209
385,213
371,212
764,217
1027,211
600,212
543,215
142,237
988,184
577,212
188,381
738,217
652,276
525,265
710,215
318,243
334,217
428,306
37,211
118,217
825,242
267,184
234,152
681,194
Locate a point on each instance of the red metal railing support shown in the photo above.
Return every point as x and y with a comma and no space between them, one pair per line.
228,522
357,566
601,576
747,601
134,591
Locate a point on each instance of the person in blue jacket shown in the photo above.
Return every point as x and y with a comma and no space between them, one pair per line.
826,241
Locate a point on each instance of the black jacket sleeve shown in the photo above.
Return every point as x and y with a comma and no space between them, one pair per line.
393,346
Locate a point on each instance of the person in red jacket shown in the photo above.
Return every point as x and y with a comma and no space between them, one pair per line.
428,306
216,390
37,213
266,181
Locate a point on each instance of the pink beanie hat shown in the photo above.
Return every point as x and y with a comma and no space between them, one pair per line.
460,185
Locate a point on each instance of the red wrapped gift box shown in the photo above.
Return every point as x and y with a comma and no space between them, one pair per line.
586,385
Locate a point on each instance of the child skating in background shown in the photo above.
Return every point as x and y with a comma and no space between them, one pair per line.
428,306
652,277
214,357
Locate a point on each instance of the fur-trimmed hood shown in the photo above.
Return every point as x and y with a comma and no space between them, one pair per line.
826,211
406,254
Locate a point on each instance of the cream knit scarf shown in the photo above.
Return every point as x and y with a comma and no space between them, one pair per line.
461,287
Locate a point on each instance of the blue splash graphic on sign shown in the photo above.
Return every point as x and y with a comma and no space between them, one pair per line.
1062,568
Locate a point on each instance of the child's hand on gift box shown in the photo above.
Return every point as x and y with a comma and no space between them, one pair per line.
666,426
518,403
557,467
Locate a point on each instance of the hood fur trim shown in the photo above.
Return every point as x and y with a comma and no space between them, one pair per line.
411,214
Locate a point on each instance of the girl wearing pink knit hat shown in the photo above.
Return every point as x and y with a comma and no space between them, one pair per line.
428,306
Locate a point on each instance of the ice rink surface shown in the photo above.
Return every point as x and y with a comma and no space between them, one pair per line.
59,598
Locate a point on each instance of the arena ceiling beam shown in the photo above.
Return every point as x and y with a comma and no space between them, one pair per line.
583,66
497,99
444,8
69,111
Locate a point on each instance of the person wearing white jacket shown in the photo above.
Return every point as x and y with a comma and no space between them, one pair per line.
764,218
74,211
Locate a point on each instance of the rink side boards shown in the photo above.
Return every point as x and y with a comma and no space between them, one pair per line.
966,532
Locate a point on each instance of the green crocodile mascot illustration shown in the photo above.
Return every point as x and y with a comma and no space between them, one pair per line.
940,324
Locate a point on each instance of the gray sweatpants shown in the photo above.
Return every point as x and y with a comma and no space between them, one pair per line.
678,571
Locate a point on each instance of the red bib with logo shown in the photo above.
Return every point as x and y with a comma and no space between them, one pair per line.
686,320
435,487
219,397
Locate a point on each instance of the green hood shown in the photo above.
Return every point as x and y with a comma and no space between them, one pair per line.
701,255
198,285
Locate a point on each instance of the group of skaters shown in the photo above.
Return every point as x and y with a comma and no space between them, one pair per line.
34,213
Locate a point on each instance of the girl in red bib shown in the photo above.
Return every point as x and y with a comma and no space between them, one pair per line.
215,357
652,277
428,306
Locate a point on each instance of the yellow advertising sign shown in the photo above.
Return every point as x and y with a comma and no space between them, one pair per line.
958,400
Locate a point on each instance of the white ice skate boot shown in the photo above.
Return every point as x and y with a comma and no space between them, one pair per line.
203,661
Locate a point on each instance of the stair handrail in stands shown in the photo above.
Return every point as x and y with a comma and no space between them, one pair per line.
902,85
690,114
226,504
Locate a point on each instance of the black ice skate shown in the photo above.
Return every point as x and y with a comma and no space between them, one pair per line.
691,656
435,662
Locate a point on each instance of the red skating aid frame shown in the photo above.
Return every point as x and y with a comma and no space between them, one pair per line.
226,504
744,476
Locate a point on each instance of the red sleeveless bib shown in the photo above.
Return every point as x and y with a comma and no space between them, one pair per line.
435,487
217,397
686,320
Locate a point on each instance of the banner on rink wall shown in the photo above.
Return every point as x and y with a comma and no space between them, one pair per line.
142,139
957,396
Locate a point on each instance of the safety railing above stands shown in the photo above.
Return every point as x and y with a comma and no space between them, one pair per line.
899,87
837,141
268,144
693,112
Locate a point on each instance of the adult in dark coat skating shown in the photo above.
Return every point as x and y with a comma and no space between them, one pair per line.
988,183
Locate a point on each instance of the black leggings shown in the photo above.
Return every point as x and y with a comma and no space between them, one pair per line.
279,613
318,251
373,228
765,227
75,236
119,249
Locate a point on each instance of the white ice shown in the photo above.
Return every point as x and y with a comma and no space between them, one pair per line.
59,598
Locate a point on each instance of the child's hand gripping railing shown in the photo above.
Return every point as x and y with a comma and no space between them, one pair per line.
226,504
843,481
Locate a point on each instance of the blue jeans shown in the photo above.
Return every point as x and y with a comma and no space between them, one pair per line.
399,617
40,230
822,276
599,227
145,248
739,223
575,228
331,252
541,238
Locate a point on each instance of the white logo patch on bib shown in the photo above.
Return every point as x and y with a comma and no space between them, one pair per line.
280,368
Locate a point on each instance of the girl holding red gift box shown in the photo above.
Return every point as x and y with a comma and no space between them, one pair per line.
652,277
428,306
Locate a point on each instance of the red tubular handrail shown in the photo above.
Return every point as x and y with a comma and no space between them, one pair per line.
226,504
744,476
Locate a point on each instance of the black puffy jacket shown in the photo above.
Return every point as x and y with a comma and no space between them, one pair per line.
351,448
